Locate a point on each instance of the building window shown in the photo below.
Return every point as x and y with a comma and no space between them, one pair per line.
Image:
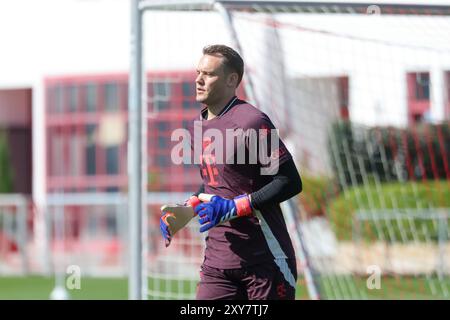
91,97
163,160
90,150
57,149
73,98
422,86
75,156
343,97
112,189
123,95
111,97
188,89
418,96
163,142
161,95
163,126
112,160
58,95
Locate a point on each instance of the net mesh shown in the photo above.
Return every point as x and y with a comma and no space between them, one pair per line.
361,100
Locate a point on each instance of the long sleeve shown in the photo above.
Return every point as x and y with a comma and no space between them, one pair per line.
285,184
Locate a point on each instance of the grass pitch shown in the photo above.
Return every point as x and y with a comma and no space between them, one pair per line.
39,288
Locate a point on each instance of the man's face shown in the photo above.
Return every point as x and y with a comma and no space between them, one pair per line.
211,82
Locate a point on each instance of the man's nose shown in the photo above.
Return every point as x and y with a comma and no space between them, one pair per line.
199,79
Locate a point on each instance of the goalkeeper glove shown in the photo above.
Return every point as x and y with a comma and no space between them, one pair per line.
164,227
193,201
219,210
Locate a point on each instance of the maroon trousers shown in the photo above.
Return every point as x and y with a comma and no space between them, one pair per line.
258,282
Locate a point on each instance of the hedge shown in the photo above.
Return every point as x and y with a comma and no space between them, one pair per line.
412,195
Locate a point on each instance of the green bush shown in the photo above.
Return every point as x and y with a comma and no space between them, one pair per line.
6,179
432,194
345,151
316,193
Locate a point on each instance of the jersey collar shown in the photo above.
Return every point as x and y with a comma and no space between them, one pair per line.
204,112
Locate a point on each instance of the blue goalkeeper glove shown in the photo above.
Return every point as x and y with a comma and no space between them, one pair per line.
219,210
164,227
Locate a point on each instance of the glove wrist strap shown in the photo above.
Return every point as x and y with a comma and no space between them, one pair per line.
193,202
243,205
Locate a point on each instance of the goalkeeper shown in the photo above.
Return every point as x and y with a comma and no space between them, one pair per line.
249,254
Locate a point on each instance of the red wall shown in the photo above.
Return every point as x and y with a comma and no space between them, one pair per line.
15,108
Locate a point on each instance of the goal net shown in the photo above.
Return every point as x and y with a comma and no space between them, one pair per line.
361,95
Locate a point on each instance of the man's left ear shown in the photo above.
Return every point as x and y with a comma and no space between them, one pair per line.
232,79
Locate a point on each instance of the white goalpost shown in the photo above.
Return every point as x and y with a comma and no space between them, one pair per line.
361,95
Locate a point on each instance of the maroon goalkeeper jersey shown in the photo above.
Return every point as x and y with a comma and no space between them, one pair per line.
263,236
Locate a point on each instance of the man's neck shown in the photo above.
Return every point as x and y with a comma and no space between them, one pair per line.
216,109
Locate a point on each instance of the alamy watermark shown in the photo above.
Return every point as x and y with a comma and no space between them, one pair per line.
73,281
235,146
374,280
373,9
